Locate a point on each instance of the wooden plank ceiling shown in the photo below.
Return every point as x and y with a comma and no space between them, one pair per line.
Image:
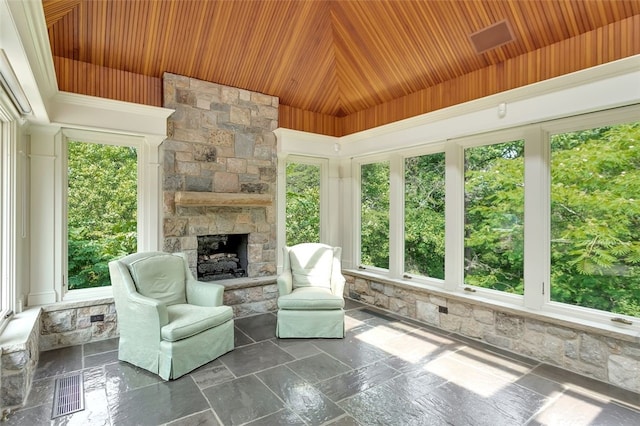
328,61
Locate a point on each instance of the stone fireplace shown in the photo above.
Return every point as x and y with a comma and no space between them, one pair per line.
219,173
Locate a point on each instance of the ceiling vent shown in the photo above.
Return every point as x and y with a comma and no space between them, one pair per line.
491,37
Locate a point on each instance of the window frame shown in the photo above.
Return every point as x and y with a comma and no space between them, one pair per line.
143,233
323,165
394,222
431,149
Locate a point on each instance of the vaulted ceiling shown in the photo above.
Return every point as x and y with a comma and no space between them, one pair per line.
330,61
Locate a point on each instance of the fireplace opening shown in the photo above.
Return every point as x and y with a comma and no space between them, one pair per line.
222,256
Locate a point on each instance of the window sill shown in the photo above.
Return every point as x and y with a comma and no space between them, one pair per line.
622,332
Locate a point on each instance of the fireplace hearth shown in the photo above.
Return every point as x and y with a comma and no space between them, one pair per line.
222,256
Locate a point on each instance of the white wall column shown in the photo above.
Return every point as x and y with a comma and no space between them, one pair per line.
45,256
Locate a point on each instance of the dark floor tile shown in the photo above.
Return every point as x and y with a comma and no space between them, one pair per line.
242,400
59,361
123,377
256,357
107,345
203,418
352,382
240,339
352,351
491,363
575,408
41,393
345,420
157,403
206,377
459,405
100,359
258,327
282,417
589,385
543,386
305,400
352,304
391,402
318,367
39,415
297,348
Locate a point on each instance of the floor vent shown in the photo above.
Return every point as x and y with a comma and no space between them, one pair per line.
68,396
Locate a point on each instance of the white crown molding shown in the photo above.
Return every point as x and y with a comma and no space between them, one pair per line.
93,113
481,114
296,142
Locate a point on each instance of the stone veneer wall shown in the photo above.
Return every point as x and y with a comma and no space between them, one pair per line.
69,324
609,357
220,140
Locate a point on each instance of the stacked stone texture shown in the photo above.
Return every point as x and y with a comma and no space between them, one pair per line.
609,357
220,140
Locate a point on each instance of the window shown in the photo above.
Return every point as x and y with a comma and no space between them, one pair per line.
494,216
424,215
374,214
595,218
302,203
102,210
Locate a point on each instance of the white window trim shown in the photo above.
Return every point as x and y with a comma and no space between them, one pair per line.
147,235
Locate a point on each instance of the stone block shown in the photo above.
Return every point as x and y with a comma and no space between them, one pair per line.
205,153
173,183
236,165
624,372
225,182
484,316
260,98
198,184
509,325
592,350
398,306
427,312
59,321
240,116
229,95
375,286
174,227
188,168
245,145
459,309
381,301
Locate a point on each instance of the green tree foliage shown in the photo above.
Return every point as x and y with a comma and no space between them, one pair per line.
374,228
101,210
494,212
595,218
424,215
303,203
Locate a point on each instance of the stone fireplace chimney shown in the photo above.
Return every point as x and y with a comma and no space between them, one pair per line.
219,166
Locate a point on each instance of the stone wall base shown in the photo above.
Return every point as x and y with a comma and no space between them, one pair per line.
606,356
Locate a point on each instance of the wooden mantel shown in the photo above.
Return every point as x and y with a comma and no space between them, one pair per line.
216,199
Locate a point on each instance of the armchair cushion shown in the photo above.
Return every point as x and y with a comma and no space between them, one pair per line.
311,266
189,320
310,298
160,277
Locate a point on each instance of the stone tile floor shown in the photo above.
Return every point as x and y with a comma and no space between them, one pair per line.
387,371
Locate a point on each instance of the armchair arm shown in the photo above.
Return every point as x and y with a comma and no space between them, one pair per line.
285,282
337,284
204,294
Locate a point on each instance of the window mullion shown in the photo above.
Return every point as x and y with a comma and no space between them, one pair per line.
396,216
536,218
454,217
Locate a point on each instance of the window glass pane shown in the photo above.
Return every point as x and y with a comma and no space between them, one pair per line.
494,211
101,210
303,203
424,215
374,231
595,218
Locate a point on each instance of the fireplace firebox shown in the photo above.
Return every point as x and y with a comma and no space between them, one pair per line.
222,256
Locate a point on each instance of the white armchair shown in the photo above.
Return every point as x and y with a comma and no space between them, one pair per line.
169,323
311,302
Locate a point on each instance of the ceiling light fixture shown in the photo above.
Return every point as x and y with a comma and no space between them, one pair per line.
11,85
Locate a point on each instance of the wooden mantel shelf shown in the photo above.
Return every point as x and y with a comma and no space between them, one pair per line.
217,199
